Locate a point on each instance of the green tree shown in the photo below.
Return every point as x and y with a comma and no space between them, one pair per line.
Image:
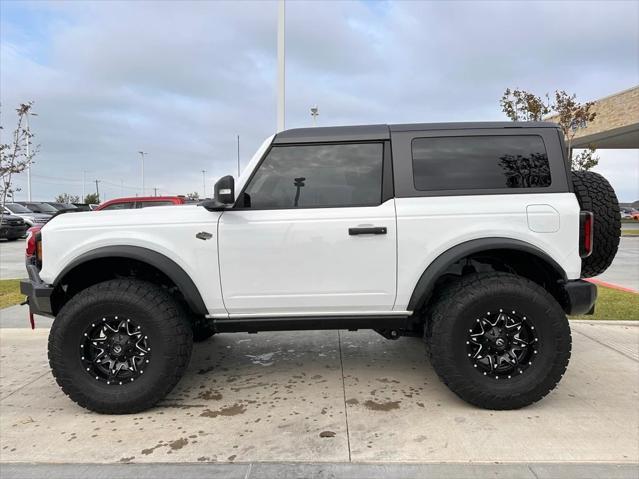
67,198
520,105
92,199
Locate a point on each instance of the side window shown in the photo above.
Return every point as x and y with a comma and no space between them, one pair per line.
315,176
118,206
145,204
480,162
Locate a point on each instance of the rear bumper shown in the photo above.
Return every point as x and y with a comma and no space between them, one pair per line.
37,291
580,297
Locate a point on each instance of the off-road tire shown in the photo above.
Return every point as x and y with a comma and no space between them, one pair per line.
161,318
202,329
595,194
456,311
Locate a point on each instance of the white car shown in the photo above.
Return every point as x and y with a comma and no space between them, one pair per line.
475,236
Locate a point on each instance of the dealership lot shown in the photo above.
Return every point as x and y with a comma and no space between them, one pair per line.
326,396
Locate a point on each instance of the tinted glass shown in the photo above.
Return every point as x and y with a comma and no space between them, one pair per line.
16,208
41,208
480,162
118,206
144,204
314,176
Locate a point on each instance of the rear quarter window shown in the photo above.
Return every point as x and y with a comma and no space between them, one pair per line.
480,162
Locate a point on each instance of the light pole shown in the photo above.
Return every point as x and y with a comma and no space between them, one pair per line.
314,114
84,180
204,183
281,77
142,153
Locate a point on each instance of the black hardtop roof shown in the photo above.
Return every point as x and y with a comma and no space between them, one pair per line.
383,132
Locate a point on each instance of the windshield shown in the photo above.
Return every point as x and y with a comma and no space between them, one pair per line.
16,208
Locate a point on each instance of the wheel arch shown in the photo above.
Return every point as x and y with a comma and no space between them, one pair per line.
138,255
440,266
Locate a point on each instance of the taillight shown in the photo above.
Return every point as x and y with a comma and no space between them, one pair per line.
586,229
38,248
31,243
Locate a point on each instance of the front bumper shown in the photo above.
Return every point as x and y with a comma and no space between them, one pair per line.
580,297
37,291
12,232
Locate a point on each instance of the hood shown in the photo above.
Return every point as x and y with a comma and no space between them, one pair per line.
133,218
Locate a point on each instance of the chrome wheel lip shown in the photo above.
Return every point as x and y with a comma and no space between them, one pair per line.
502,344
114,350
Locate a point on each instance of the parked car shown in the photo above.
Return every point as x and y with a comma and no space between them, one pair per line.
39,207
140,202
29,217
61,206
84,206
475,236
12,227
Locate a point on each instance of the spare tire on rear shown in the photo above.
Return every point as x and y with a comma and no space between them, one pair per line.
595,194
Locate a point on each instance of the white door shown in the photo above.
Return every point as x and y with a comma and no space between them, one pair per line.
311,235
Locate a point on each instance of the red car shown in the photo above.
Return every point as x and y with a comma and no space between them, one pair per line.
140,202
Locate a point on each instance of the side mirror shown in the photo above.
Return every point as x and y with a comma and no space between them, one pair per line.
224,195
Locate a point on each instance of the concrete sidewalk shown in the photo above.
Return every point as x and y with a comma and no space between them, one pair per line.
327,397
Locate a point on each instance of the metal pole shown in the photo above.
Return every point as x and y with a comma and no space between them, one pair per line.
238,156
84,180
281,77
142,153
28,158
204,183
97,189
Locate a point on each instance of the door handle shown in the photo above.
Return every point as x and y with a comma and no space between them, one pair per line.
367,230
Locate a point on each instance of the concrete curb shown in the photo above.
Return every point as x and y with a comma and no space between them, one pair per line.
605,284
327,470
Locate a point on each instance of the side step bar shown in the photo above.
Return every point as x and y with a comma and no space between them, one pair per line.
253,325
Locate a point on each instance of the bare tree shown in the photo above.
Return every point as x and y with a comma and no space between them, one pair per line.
520,105
193,196
14,158
67,198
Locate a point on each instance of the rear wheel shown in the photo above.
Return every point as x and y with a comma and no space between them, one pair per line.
499,341
120,346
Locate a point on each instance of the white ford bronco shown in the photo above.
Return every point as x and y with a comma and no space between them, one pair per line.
475,236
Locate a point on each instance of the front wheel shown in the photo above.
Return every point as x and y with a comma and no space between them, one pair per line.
120,346
499,341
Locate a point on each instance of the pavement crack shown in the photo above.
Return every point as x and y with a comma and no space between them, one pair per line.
341,362
606,345
24,386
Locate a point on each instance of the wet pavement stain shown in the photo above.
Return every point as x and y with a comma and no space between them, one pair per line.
386,406
352,401
233,410
179,443
210,395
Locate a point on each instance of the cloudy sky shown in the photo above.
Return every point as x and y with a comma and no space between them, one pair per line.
180,80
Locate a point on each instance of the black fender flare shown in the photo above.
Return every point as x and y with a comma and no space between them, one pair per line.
164,264
426,282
